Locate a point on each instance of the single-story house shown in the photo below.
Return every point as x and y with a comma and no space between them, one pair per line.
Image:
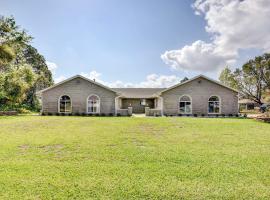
199,95
247,104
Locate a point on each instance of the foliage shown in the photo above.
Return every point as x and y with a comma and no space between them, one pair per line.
184,80
252,80
50,157
23,69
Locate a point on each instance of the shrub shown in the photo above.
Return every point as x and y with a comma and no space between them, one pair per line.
203,115
96,114
118,115
236,115
230,115
23,111
90,114
102,114
43,114
195,115
217,115
77,114
111,114
223,115
57,114
84,114
180,115
50,114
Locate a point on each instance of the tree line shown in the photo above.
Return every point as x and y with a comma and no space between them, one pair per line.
23,71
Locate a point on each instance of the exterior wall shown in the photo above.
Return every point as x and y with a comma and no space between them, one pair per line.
78,90
200,90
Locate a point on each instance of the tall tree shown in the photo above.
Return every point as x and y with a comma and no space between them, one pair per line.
226,77
18,62
252,80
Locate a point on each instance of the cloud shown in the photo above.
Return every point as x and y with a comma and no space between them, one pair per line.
52,67
59,79
92,75
233,25
199,56
152,81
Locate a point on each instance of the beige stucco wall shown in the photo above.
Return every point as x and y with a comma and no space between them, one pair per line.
78,89
200,90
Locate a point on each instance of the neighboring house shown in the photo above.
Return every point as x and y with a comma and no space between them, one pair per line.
247,104
199,95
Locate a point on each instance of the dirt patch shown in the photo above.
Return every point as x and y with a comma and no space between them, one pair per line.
24,147
54,147
151,129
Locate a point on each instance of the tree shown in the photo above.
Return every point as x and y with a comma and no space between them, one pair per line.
15,84
252,80
184,80
23,71
226,77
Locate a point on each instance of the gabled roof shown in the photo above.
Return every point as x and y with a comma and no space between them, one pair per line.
196,77
138,92
73,77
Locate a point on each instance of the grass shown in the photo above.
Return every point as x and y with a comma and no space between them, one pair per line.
133,158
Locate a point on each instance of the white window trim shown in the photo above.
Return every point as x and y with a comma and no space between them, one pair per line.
98,111
59,104
214,113
185,101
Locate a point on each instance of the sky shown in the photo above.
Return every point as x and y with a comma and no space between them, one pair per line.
143,43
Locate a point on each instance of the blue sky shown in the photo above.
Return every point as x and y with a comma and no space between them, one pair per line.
124,40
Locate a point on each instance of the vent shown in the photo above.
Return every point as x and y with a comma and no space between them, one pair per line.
78,81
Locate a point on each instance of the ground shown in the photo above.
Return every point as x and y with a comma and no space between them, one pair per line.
50,157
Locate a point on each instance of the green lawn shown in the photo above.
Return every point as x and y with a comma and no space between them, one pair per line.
49,157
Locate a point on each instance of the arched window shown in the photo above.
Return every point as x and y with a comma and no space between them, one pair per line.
214,105
65,104
93,104
185,105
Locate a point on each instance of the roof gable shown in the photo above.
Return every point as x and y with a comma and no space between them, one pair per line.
197,77
74,77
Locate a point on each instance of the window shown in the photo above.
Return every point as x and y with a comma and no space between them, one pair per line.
185,105
213,105
93,104
65,104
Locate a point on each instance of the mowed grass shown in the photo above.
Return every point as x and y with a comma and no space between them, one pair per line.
49,157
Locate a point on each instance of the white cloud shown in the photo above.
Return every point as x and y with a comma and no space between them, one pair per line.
199,56
92,75
152,81
52,67
233,25
59,79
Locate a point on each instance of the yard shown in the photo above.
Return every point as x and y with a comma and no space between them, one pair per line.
50,157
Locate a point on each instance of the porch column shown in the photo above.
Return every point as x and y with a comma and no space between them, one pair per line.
117,104
160,104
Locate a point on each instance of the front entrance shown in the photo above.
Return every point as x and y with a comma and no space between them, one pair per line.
138,105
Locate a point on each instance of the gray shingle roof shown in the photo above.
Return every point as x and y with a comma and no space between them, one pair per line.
138,92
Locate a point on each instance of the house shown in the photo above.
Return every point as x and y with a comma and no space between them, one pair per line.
199,95
247,104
